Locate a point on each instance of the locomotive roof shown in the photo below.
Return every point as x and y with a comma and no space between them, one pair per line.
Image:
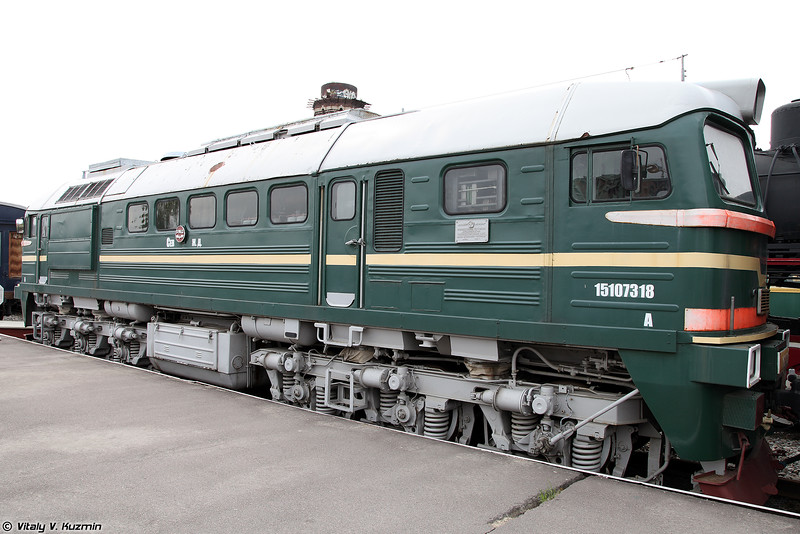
535,116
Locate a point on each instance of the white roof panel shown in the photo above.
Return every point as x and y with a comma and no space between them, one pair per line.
555,113
291,156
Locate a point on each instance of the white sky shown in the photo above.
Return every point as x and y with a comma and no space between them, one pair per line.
89,81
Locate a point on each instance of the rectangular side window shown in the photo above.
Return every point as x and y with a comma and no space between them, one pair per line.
288,204
606,180
479,189
580,178
203,211
168,213
30,229
241,208
343,201
604,167
138,217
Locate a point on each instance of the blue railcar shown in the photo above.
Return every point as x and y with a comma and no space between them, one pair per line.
10,256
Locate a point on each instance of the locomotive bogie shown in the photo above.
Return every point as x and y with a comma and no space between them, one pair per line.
92,334
436,403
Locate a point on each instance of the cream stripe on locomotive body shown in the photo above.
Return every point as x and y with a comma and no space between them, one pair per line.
558,272
573,259
685,260
577,259
208,259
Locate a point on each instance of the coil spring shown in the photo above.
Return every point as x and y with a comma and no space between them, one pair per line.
82,343
56,336
126,351
436,423
116,352
133,349
522,425
288,384
586,453
388,400
320,406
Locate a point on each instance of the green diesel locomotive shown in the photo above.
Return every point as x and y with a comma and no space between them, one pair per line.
576,273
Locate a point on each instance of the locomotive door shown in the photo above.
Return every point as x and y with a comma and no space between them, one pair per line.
344,242
43,237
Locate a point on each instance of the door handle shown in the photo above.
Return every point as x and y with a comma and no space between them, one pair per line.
356,242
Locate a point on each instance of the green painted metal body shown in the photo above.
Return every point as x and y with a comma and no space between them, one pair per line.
785,302
544,299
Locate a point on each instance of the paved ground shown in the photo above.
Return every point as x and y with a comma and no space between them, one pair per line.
87,441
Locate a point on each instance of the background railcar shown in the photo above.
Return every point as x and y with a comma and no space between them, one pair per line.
779,173
10,257
569,272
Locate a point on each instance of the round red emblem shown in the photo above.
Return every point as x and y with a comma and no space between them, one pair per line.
180,234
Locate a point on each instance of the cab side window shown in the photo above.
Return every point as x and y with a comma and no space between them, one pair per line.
580,177
595,176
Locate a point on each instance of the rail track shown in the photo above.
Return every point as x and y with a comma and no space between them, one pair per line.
785,446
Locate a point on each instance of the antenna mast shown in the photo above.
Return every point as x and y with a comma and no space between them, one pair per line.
683,70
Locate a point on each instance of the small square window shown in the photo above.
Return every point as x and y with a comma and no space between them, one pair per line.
203,211
168,213
288,204
241,208
138,217
480,189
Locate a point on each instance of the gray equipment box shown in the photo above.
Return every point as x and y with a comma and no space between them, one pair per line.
216,356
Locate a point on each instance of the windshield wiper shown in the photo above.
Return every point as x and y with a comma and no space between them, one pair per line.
714,172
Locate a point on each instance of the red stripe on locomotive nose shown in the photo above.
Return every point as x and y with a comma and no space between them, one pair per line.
713,320
696,218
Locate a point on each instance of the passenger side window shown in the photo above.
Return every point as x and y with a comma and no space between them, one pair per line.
168,213
138,217
203,211
241,208
288,204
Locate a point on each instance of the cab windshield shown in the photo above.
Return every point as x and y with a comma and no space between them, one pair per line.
728,164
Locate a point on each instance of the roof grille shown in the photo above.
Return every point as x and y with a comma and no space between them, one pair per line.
83,191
